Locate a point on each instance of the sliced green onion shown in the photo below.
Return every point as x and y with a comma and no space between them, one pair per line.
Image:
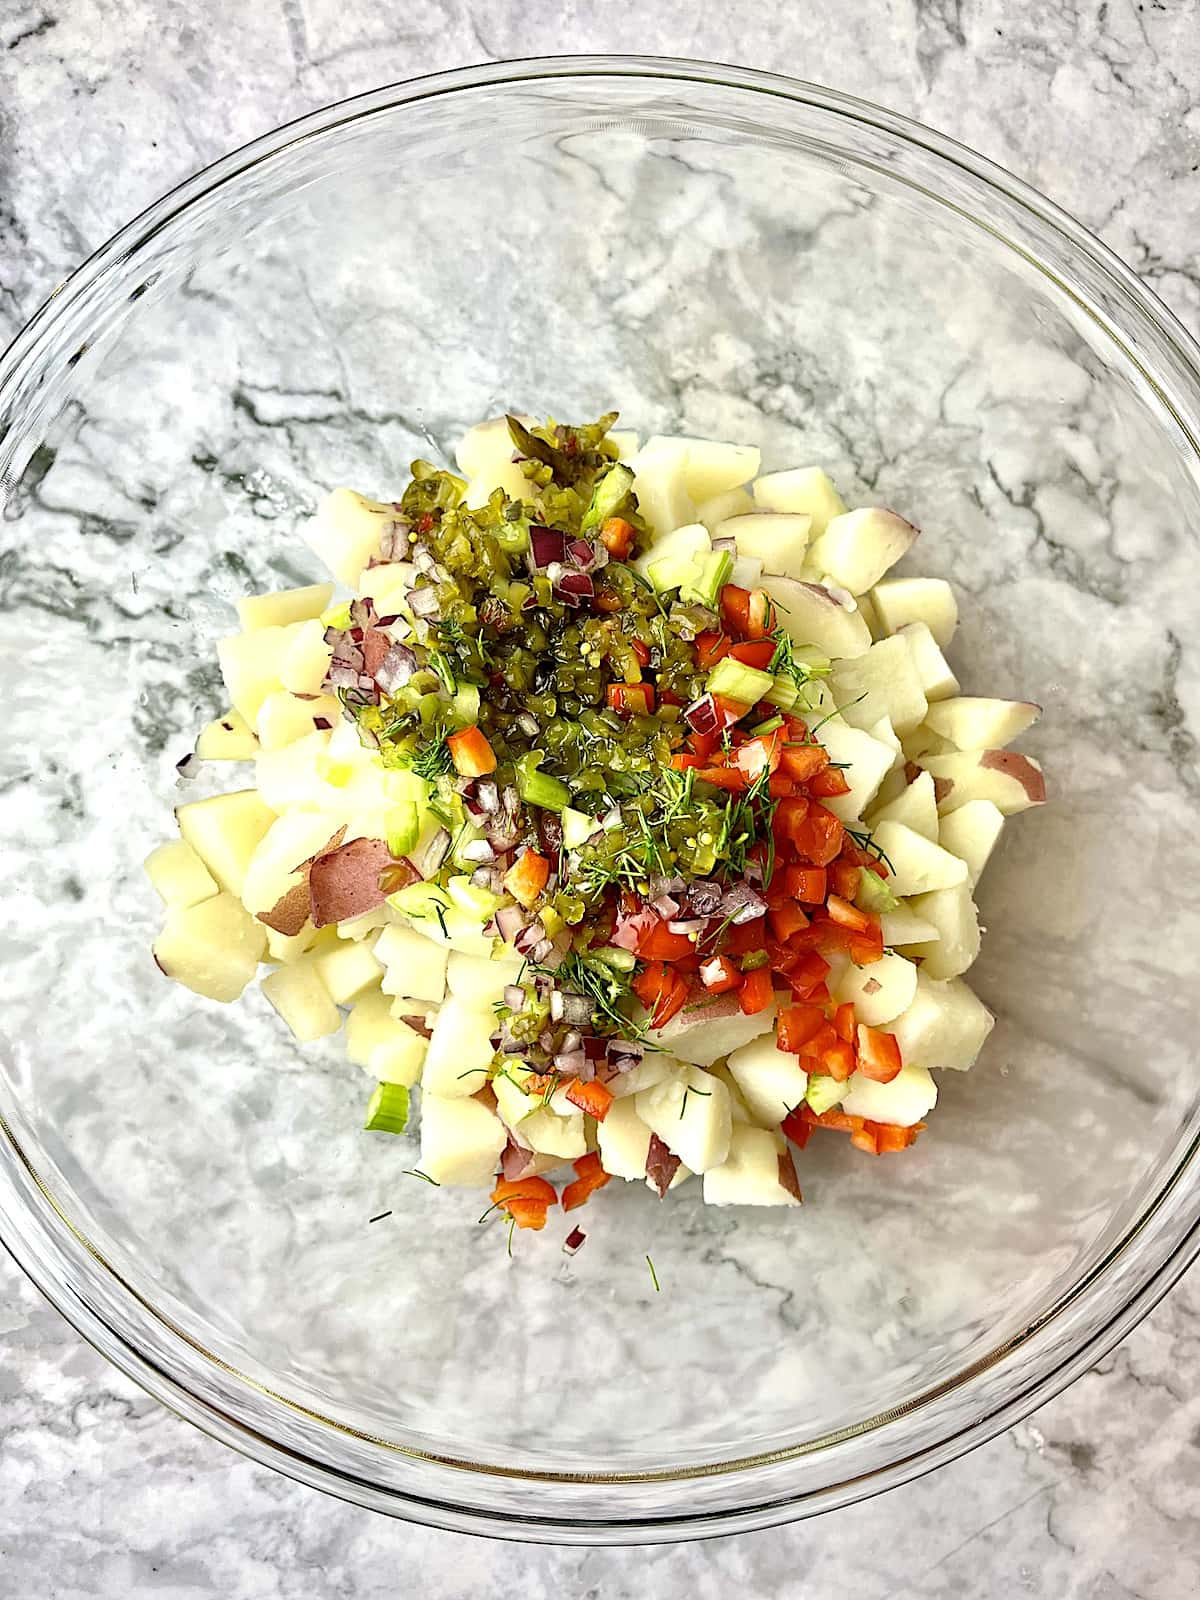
387,1109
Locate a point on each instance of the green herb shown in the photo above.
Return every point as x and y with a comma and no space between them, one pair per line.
865,841
432,759
837,712
706,1093
415,1172
379,1218
653,1276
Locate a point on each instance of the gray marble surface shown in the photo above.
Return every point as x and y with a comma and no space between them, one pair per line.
102,1493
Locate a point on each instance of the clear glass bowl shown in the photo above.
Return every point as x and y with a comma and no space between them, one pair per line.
717,252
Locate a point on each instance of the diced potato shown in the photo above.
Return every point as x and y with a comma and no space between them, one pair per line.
905,1100
1011,781
479,981
285,605
971,833
882,683
381,1044
551,1135
880,991
691,1116
229,738
273,869
918,864
306,659
916,807
512,1102
212,948
367,922
814,617
660,483
461,1141
347,968
903,927
225,831
922,741
624,1140
937,679
625,440
711,467
738,1109
771,1080
178,874
250,665
485,458
283,717
461,1046
857,548
900,601
300,997
387,585
705,1030
802,489
651,1069
972,722
945,1026
346,532
734,503
285,948
886,734
953,914
778,540
867,762
416,966
749,1175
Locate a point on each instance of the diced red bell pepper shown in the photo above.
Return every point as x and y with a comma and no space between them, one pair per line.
592,1098
844,878
796,1128
863,1139
681,761
819,838
848,916
756,991
754,653
617,536
527,1200
780,786
807,972
527,877
744,937
890,1137
735,608
827,783
641,651
758,755
866,948
590,1177
786,919
790,816
807,884
631,699
822,1040
662,991
803,761
658,943
878,1054
838,1060
719,975
471,753
797,1026
731,778
711,647
844,1023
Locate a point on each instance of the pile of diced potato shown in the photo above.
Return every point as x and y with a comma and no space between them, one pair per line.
930,775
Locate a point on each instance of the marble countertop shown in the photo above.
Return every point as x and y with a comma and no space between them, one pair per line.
104,1493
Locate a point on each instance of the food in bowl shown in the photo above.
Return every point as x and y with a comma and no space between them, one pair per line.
627,807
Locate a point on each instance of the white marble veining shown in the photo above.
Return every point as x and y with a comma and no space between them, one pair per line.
101,1492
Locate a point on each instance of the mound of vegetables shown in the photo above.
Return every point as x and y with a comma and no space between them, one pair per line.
631,814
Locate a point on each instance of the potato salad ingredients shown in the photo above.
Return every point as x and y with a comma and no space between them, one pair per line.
625,808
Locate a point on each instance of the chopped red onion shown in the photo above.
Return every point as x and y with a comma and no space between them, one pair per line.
547,546
703,715
556,1005
692,925
570,1062
341,675
430,857
396,668
478,850
661,1165
582,552
594,1047
189,765
322,723
515,1160
725,546
624,1053
740,904
574,1240
422,602
542,951
514,997
576,1008
666,905
486,878
509,920
704,897
575,587
488,795
528,938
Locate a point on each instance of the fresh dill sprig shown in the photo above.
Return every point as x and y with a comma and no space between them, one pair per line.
866,841
432,758
653,1276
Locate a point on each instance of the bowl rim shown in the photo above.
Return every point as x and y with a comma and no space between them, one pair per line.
1049,1368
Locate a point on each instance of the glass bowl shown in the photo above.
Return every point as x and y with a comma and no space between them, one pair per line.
713,251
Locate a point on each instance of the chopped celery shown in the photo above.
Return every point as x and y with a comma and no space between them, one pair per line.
539,788
466,704
613,956
704,588
607,496
823,1093
874,894
735,681
387,1109
403,825
479,903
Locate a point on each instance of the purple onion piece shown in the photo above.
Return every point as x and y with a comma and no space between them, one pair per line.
546,546
422,602
396,668
582,553
479,850
514,997
574,1241
693,925
703,715
594,1048
575,587
488,796
510,920
740,904
430,857
725,546
577,1008
666,905
571,1062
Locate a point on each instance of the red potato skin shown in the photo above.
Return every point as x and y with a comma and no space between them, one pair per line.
1018,767
345,882
787,1175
